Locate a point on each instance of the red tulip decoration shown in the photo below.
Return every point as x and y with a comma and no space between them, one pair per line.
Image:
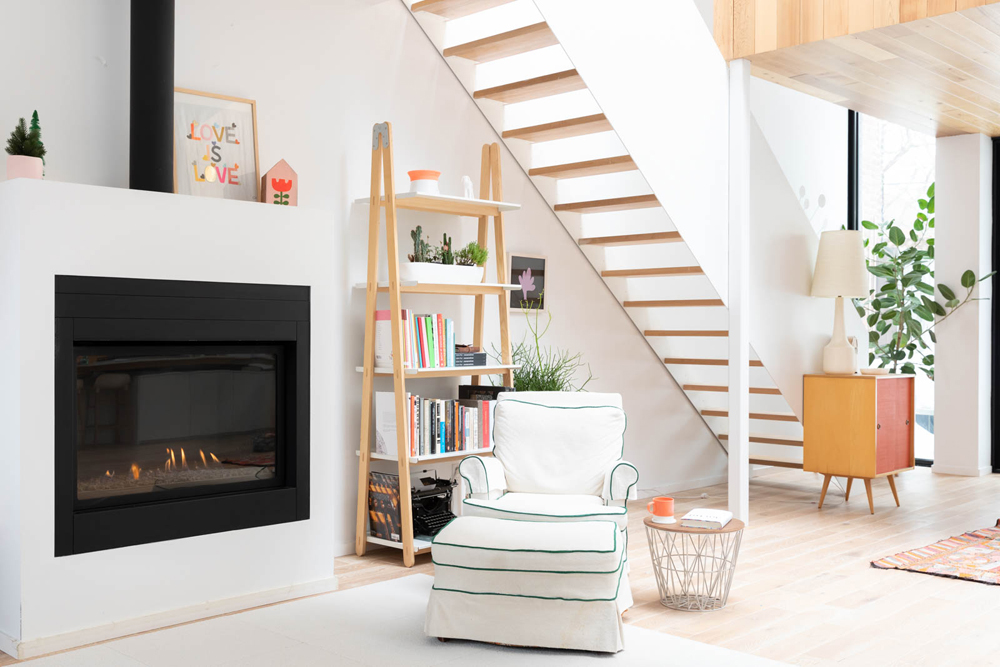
280,185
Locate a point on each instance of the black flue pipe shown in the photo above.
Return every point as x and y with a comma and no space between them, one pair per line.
151,98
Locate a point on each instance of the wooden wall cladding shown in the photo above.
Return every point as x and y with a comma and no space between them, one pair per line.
747,27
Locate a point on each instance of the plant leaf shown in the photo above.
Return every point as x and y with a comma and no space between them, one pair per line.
969,278
945,291
868,225
896,236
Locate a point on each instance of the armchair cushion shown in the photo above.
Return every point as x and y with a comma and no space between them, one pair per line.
558,442
621,482
545,507
484,476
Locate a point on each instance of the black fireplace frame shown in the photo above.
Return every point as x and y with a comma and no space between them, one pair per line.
93,311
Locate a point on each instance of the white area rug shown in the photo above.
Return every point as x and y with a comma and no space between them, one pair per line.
381,624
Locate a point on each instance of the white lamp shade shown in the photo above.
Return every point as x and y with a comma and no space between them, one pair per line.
840,265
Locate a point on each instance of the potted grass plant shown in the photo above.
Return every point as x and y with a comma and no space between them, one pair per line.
443,265
25,150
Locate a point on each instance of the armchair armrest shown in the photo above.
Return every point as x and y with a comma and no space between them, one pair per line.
484,477
620,483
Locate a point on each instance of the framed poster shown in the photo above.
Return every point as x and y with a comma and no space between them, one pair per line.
528,271
215,146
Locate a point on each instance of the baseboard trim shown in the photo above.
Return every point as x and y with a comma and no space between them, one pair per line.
964,471
32,648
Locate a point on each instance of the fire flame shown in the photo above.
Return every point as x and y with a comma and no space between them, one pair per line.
184,463
214,458
173,460
135,471
107,473
203,461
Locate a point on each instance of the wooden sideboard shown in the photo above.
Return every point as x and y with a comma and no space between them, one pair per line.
858,427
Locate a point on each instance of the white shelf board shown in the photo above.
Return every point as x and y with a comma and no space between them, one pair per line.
413,283
418,543
429,457
492,369
501,205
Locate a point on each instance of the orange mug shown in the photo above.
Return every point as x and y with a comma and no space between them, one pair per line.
662,509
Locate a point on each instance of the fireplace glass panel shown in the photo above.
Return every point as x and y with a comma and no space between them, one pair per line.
174,421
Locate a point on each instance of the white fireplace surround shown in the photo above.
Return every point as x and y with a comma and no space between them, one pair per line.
48,229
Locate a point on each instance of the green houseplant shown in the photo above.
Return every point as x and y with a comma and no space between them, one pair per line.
543,368
25,150
441,264
902,312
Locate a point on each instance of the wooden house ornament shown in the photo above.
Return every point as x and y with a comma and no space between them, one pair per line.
280,185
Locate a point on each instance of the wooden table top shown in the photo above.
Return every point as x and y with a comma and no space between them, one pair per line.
731,527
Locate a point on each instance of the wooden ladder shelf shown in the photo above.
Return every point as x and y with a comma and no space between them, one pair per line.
490,205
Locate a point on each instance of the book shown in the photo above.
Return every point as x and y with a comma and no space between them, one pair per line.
706,518
385,422
383,506
469,359
439,339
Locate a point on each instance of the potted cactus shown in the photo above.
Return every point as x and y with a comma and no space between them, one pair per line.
25,150
442,264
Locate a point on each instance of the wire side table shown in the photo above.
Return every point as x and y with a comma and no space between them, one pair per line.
694,567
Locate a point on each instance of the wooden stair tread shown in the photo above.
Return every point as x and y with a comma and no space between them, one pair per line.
765,440
654,272
532,89
679,361
775,462
770,391
561,129
610,205
693,333
456,9
766,416
633,239
604,165
505,44
674,303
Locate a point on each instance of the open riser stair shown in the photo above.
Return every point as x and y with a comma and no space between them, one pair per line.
527,86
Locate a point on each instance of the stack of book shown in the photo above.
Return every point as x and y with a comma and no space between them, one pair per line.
434,426
469,355
428,340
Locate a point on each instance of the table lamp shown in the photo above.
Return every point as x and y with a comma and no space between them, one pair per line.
840,272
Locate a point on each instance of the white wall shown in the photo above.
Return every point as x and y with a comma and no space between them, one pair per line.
789,328
808,136
76,76
322,74
660,79
115,232
963,233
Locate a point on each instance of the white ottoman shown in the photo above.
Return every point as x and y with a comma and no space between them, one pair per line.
526,583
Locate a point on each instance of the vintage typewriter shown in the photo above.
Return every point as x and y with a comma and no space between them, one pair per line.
431,505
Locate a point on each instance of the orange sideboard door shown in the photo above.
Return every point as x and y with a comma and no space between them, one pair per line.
895,424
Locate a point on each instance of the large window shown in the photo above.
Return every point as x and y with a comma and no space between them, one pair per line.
895,167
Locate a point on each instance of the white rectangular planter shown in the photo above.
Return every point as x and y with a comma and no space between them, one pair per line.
441,274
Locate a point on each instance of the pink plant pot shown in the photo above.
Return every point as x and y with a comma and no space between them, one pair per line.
22,166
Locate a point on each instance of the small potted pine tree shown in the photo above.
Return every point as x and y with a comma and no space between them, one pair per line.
25,150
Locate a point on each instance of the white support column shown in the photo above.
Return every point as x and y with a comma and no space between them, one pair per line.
739,290
963,240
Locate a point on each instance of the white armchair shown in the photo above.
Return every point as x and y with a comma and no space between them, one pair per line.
557,456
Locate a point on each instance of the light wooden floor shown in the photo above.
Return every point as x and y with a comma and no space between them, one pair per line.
804,592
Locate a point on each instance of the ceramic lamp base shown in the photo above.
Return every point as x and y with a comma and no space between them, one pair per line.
839,356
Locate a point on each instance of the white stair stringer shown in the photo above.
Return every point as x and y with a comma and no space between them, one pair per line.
703,239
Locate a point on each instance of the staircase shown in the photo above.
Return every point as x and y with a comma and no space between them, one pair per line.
523,80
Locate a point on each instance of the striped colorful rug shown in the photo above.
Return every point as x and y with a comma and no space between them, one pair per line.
973,556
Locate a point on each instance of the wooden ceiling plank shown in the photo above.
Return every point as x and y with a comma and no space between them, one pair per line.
914,83
912,10
789,29
836,14
937,7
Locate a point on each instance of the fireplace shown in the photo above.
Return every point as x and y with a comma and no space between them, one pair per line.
181,409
